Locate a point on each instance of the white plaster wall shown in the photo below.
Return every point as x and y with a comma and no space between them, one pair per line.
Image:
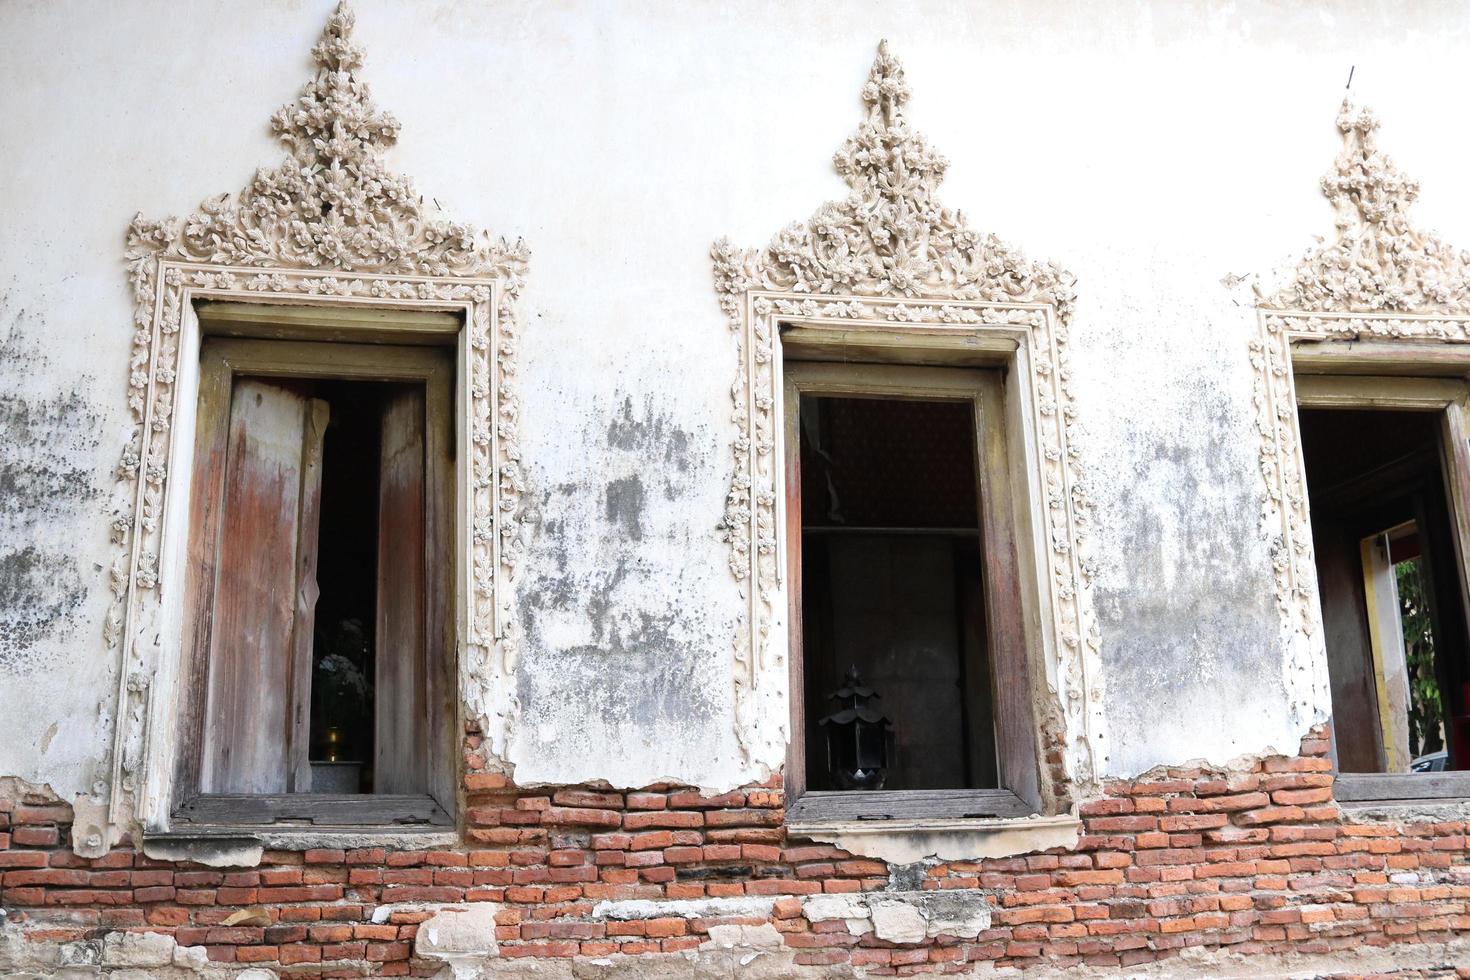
1150,148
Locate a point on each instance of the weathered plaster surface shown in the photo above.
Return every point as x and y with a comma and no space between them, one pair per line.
48,434
905,916
125,955
1184,593
212,853
903,842
54,436
736,951
675,123
459,936
626,635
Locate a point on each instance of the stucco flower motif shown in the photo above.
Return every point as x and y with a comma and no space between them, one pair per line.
1378,260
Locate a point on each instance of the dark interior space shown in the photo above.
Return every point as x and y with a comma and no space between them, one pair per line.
891,585
1377,474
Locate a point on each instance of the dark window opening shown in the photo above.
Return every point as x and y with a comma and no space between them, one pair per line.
892,594
342,688
1392,605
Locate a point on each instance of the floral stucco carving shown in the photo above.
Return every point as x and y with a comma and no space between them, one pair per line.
1380,279
330,225
1379,262
892,252
890,236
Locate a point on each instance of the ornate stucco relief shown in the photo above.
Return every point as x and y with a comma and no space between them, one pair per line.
892,253
1379,279
330,225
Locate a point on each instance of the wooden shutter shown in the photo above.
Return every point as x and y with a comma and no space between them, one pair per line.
257,713
401,669
1016,675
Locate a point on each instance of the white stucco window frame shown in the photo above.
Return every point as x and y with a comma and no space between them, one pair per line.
1381,298
379,308
1415,350
1020,340
331,229
898,272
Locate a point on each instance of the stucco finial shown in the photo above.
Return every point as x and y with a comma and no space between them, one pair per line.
886,91
892,235
1364,185
1378,261
334,202
336,51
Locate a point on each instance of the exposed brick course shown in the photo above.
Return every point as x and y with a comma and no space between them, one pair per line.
1260,861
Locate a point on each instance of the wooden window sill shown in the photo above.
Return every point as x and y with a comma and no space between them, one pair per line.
1379,790
877,805
902,827
321,812
235,831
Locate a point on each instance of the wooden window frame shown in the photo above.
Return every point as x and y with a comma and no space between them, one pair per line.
882,365
1402,378
363,345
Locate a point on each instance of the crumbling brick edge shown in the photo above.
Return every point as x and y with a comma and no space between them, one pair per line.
1174,868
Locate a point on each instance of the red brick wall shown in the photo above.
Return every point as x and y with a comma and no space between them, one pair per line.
1259,861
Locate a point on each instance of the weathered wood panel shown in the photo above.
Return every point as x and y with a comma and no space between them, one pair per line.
916,803
298,365
444,728
248,723
1438,786
1356,725
1014,675
212,429
796,755
317,415
401,670
314,809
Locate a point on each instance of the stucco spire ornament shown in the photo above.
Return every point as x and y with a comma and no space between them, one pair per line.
333,203
891,236
1379,261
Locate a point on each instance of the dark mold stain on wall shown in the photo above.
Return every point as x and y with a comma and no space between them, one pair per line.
603,538
1194,612
625,505
666,448
46,482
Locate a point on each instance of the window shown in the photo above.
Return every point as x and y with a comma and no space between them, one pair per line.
1384,461
911,686
319,627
